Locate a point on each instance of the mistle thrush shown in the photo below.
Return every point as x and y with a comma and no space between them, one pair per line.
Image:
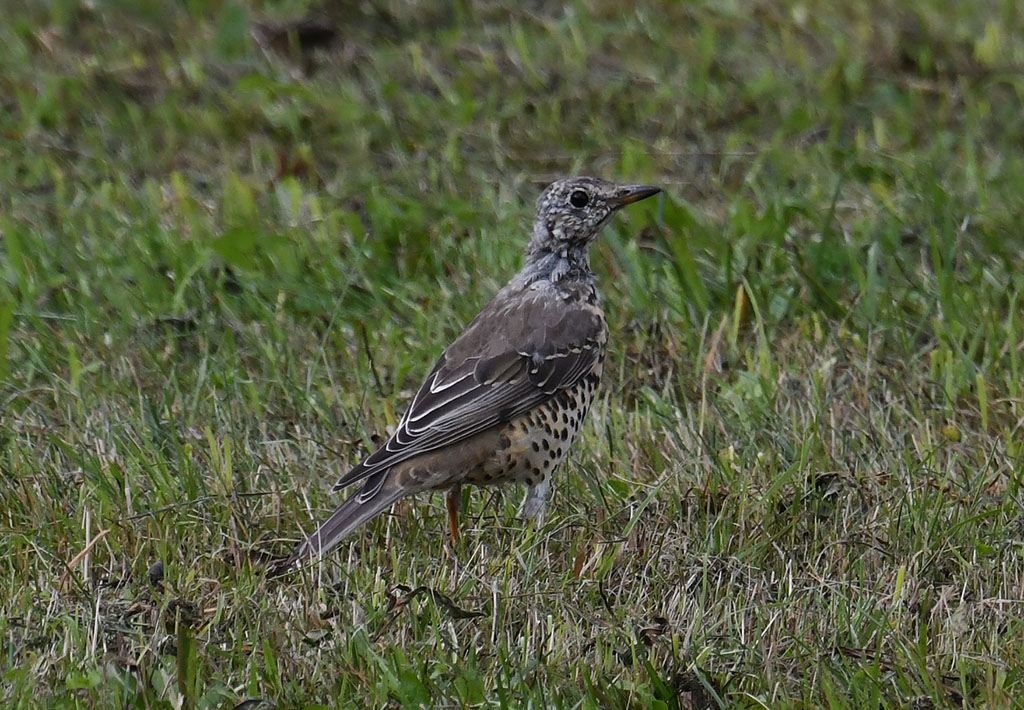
508,397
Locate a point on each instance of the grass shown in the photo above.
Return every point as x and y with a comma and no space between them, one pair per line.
225,263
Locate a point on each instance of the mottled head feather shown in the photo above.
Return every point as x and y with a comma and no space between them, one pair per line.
572,211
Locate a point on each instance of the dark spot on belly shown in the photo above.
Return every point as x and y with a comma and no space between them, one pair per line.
504,442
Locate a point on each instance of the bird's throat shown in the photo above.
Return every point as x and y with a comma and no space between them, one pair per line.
565,263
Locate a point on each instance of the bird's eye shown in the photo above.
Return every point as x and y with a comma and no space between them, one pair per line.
578,198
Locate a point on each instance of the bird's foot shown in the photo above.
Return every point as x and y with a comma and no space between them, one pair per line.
535,503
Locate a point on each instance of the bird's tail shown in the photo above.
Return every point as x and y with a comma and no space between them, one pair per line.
349,516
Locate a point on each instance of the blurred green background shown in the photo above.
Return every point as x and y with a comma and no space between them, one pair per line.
234,236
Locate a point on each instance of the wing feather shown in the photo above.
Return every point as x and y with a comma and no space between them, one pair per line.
509,360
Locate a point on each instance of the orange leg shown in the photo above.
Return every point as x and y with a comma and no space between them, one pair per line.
452,500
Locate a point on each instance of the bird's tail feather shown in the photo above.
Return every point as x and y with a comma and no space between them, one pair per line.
349,516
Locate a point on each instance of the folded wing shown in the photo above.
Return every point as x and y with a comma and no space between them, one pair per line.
489,376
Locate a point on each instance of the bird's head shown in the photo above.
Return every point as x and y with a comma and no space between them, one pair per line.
572,211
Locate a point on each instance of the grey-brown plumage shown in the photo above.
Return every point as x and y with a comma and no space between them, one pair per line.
508,397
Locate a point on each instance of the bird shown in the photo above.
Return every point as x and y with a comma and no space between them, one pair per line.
507,399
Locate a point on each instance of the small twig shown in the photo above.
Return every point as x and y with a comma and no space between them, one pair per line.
80,556
195,501
437,597
398,602
322,445
369,356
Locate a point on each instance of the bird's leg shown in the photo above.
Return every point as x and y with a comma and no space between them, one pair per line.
536,501
452,500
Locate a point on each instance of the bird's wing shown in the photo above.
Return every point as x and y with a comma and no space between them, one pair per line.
516,354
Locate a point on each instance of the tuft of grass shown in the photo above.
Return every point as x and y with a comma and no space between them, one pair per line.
226,261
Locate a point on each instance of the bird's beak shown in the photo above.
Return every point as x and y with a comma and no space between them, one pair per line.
628,194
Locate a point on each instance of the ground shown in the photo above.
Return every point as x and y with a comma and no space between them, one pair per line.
231,246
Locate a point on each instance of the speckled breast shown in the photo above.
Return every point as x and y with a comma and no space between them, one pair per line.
532,446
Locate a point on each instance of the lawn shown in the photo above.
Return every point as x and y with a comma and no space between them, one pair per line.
232,245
